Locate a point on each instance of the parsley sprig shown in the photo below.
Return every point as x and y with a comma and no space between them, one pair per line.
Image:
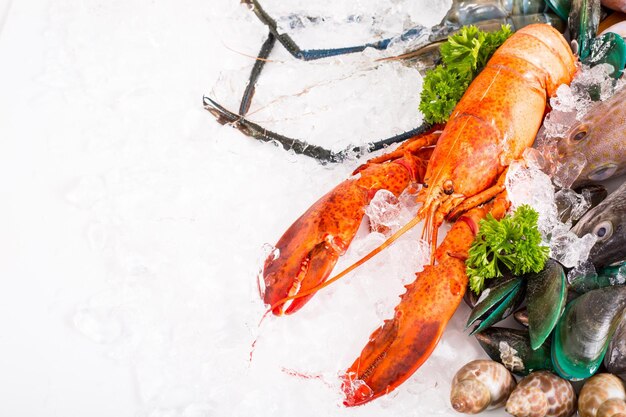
464,55
513,243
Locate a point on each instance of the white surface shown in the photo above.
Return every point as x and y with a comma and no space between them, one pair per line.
132,226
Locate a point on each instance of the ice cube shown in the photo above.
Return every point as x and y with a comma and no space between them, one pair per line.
383,211
580,277
570,250
571,205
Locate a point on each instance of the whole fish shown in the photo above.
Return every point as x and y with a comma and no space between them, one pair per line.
600,137
608,223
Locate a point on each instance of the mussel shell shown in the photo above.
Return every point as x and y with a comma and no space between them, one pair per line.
560,7
583,332
521,316
498,304
500,343
583,22
546,293
609,48
615,358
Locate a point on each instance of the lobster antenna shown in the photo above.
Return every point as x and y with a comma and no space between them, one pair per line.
355,265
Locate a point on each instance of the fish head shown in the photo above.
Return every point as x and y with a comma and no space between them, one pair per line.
606,223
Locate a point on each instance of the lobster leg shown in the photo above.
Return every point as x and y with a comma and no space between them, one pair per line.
402,344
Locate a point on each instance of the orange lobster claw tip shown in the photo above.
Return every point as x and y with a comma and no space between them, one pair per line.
297,274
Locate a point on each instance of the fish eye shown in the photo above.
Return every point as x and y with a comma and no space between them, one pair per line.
580,135
602,173
603,230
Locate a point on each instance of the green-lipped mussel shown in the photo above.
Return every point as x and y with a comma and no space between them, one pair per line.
497,303
605,277
511,347
583,22
546,293
583,332
615,358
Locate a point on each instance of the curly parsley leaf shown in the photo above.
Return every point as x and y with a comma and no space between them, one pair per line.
464,55
443,88
513,243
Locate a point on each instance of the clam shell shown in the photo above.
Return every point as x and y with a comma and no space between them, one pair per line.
596,391
542,394
480,385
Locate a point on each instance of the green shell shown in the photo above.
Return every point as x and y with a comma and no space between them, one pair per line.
498,304
582,335
546,293
609,48
560,7
583,22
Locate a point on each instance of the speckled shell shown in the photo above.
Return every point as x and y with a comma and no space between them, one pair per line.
479,385
542,394
596,392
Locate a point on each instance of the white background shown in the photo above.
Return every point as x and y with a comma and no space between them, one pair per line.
132,227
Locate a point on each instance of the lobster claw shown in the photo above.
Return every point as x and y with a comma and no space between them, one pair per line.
397,349
308,251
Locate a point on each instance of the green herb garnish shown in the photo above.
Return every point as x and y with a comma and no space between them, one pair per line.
513,242
463,55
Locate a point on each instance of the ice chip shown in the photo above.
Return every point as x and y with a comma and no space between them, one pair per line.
571,205
570,250
383,211
566,173
580,277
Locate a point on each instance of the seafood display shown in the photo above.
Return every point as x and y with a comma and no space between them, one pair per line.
542,394
602,396
572,313
480,385
465,170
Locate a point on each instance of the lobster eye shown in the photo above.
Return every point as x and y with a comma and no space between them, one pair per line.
603,172
448,187
603,230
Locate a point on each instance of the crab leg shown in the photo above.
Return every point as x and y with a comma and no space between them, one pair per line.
397,349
